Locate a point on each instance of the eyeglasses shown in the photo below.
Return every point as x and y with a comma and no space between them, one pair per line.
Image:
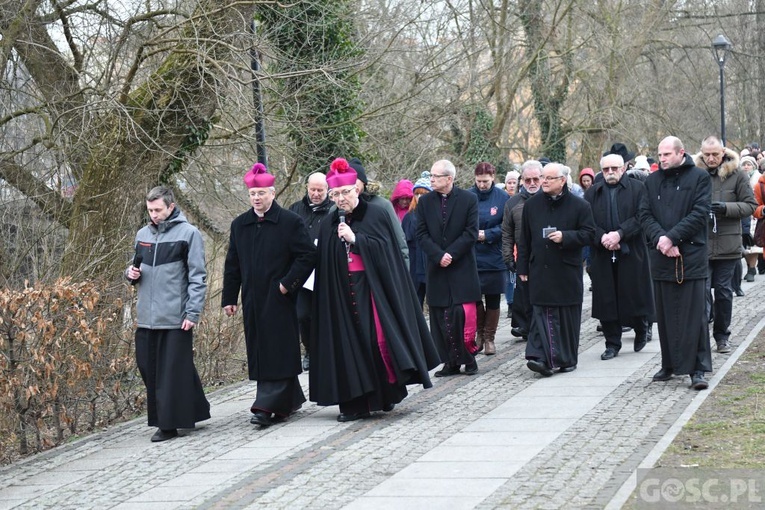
608,169
344,192
531,179
436,176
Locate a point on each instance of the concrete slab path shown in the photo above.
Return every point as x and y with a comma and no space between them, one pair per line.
504,438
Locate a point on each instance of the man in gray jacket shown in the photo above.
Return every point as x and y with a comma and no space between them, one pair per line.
169,272
732,199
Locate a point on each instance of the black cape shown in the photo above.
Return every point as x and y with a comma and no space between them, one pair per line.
628,294
341,369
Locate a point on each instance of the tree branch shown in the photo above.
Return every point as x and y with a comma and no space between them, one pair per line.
52,204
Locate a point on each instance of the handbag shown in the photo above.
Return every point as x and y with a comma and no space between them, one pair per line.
759,233
759,229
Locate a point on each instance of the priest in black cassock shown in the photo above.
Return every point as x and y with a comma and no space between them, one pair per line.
270,256
369,338
555,227
622,293
674,216
447,232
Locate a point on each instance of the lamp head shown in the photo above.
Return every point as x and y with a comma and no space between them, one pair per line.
722,46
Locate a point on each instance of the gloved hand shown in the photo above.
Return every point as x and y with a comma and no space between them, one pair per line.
511,266
747,240
719,208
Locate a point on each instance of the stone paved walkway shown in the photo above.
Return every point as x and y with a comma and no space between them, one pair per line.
504,438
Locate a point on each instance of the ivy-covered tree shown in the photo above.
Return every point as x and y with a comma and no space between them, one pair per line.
315,53
472,139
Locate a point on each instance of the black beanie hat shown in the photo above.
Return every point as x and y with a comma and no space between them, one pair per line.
355,163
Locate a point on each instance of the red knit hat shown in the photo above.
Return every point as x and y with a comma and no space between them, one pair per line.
259,177
340,174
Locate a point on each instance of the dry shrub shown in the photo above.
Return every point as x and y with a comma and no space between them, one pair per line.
66,365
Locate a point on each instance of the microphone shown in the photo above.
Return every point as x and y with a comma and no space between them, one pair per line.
137,259
341,215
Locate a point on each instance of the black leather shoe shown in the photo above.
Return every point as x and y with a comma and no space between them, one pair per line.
447,370
343,417
519,332
665,374
698,382
608,354
640,342
724,346
539,367
163,435
471,368
565,370
739,293
599,328
261,418
388,408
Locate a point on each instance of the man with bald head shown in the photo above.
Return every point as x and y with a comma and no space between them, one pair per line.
674,216
555,226
621,282
313,209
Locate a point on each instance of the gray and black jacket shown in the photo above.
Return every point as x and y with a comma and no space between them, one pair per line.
173,276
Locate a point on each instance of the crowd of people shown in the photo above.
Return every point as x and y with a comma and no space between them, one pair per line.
348,273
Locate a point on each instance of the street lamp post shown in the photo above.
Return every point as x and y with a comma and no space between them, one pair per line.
257,97
721,45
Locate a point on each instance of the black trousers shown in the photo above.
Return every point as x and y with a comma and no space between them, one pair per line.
612,330
304,316
720,278
521,305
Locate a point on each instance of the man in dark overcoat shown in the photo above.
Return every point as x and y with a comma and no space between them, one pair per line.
313,208
270,255
447,232
531,173
620,273
556,225
674,217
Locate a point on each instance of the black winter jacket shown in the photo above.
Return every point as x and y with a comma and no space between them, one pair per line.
677,205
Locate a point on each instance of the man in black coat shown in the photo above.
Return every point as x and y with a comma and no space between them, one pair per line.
556,225
531,173
269,257
313,208
447,232
674,217
620,273
369,338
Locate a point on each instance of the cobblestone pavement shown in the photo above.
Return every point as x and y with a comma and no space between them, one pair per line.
501,439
